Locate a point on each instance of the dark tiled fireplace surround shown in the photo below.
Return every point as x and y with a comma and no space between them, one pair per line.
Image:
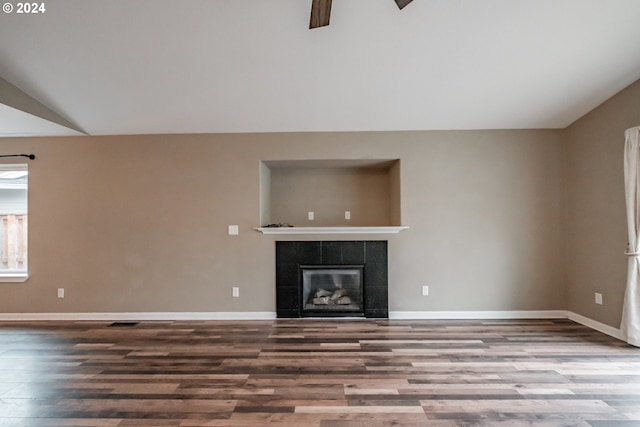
292,255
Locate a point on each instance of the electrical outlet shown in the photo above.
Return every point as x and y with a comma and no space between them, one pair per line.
311,216
347,214
60,292
236,292
598,298
233,230
425,290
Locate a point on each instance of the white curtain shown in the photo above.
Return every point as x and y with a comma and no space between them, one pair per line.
630,325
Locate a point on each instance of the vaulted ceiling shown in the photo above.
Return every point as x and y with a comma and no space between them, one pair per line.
201,66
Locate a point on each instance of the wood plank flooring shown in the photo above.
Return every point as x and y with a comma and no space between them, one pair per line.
316,373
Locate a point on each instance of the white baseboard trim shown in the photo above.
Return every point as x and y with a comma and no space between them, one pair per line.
451,315
268,315
594,324
231,315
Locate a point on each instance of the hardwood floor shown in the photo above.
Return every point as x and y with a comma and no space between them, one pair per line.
316,373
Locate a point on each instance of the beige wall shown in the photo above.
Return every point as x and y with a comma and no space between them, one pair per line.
597,234
134,224
500,220
329,192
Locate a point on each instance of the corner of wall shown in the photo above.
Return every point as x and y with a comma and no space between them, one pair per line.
596,219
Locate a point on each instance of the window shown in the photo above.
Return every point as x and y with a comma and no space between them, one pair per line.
13,222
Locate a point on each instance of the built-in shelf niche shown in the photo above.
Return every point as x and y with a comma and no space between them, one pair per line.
368,188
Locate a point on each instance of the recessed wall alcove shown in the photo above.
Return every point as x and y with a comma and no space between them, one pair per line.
368,189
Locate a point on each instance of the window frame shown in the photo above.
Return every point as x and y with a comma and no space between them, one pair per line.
16,276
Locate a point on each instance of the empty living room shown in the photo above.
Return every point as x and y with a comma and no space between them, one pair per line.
317,213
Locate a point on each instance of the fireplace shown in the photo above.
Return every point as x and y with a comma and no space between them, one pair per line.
331,279
331,289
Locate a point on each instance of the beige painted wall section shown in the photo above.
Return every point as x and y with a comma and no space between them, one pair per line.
328,193
265,195
133,224
597,233
395,187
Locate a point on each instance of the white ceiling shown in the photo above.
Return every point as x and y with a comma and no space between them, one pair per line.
199,66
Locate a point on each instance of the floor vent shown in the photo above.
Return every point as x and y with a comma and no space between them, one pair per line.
123,324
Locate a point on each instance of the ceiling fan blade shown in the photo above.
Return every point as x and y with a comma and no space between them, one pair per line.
402,3
320,13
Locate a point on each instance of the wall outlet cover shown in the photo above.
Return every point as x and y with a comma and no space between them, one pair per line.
598,298
233,230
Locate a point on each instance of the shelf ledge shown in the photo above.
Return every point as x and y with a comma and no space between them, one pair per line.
332,230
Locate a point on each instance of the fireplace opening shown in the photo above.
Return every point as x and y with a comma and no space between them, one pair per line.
332,290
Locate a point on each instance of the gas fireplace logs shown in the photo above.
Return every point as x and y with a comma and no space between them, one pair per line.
337,297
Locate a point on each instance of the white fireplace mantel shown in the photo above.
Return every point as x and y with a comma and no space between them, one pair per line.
332,230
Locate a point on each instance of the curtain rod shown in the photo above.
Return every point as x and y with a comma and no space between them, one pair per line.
31,156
